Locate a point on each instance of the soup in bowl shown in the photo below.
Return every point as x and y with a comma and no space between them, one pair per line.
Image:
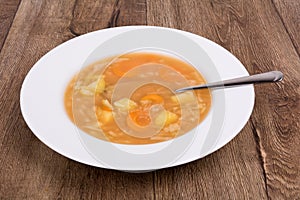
130,99
125,113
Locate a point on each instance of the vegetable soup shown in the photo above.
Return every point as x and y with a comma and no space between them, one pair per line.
130,99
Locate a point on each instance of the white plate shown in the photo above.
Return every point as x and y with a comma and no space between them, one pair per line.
43,89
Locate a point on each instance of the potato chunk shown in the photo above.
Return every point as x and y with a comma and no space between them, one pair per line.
125,104
186,97
106,116
101,85
96,86
165,118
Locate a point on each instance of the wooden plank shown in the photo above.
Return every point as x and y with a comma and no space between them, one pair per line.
227,173
253,32
7,13
30,170
289,12
90,15
264,156
277,114
231,173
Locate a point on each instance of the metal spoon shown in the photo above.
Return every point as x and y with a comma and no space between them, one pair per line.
272,76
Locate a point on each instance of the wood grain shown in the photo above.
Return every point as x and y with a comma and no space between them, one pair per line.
291,21
8,10
231,173
253,32
30,170
89,15
238,163
28,166
262,162
92,15
269,48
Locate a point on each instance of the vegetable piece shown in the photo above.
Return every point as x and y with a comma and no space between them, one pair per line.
86,92
153,98
186,97
96,86
106,105
165,118
125,104
106,116
101,85
139,117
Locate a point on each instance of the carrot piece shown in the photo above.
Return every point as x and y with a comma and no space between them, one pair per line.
140,118
106,105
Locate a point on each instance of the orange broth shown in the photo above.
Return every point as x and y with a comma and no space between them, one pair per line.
141,101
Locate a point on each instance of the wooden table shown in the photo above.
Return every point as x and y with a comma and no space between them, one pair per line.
262,162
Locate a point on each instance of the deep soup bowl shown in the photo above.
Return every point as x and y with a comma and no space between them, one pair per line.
46,82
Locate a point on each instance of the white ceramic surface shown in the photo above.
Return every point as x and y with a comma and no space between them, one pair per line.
43,89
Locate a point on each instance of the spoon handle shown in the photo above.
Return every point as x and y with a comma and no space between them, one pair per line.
272,76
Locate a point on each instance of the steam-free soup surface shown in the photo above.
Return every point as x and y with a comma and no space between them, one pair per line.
130,99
